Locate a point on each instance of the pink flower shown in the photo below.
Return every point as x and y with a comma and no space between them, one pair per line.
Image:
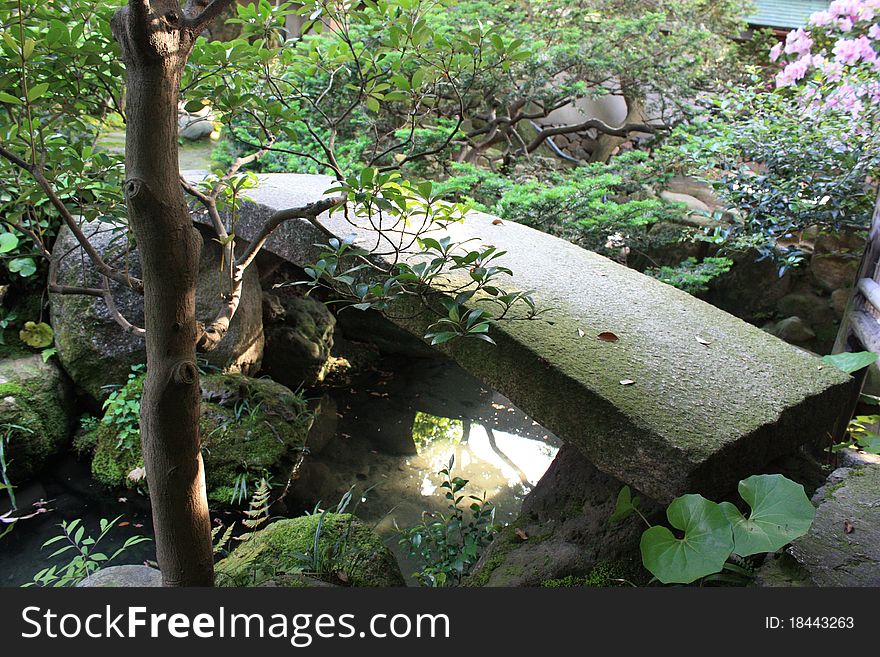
775,52
820,18
874,31
793,72
844,24
798,42
849,51
843,8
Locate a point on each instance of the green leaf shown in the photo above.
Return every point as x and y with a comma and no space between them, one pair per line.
24,267
850,362
9,98
36,335
705,546
626,505
781,512
8,242
36,91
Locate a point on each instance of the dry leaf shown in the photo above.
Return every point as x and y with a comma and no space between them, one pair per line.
702,341
498,222
580,333
342,576
848,527
521,533
123,524
607,336
626,382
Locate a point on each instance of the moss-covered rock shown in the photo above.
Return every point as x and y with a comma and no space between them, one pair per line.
351,553
250,428
94,350
299,337
35,413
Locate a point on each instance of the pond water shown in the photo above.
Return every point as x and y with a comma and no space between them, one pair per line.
391,430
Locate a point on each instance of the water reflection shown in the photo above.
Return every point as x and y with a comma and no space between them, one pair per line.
397,432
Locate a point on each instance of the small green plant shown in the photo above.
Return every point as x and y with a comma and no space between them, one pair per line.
122,410
320,559
7,317
8,430
710,538
256,516
86,560
692,275
449,544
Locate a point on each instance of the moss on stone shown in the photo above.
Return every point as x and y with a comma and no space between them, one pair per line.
281,552
603,574
249,427
34,413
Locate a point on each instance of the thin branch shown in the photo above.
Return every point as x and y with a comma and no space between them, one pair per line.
623,131
102,267
200,21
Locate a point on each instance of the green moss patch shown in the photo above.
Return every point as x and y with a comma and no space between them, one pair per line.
250,428
351,553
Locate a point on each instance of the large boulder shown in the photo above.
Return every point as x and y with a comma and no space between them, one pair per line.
563,532
35,413
250,428
352,554
299,337
93,348
130,576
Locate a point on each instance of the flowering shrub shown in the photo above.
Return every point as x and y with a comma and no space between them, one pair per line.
803,150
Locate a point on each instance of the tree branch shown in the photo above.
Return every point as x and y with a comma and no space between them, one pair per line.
102,267
200,21
623,131
214,332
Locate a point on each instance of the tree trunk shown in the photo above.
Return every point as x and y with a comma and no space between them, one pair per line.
155,47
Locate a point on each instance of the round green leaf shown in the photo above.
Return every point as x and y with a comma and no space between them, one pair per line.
36,335
24,267
781,512
8,242
705,546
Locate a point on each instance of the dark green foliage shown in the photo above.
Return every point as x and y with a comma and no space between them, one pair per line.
449,544
692,275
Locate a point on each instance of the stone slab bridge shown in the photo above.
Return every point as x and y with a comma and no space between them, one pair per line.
713,399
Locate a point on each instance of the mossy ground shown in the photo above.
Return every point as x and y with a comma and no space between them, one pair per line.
351,553
250,428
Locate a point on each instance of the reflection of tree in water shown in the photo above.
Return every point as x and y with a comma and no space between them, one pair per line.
428,429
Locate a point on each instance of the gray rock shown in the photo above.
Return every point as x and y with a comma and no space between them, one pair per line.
830,555
832,271
794,330
299,337
93,348
810,307
565,524
680,427
36,406
195,125
123,576
839,300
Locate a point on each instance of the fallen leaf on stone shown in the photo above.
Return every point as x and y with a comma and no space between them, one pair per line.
607,336
626,382
848,527
498,222
342,576
702,341
580,333
522,534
